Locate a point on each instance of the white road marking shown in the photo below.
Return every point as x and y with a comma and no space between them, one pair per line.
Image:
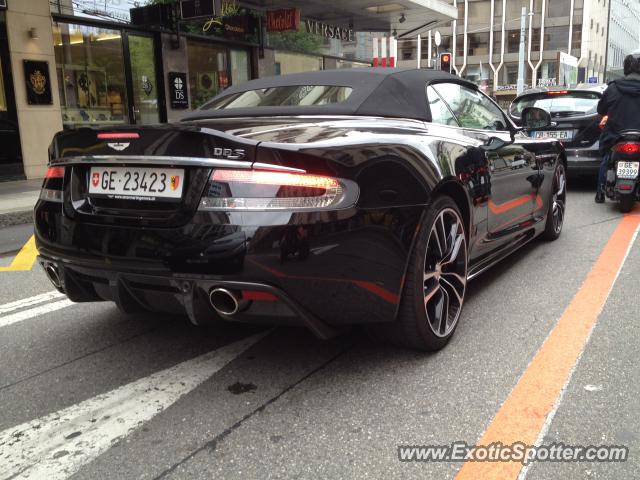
34,312
59,444
28,302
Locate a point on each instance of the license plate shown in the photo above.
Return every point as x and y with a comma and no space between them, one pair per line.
132,183
628,169
556,134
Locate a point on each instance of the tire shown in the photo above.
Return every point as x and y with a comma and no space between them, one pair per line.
626,203
437,270
557,205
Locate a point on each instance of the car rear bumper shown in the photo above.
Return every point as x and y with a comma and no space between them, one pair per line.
324,269
583,160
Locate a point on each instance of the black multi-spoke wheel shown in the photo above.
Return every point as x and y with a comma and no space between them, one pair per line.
436,281
557,204
445,271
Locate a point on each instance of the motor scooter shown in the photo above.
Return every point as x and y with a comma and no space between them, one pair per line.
624,166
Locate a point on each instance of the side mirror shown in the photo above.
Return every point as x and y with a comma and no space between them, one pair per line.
534,118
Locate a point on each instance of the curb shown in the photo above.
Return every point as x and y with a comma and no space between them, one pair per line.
16,218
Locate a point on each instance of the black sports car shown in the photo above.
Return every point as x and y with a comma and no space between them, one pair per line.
323,199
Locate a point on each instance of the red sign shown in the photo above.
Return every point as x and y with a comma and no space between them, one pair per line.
284,20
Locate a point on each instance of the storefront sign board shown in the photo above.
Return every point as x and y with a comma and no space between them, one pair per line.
283,20
178,90
38,82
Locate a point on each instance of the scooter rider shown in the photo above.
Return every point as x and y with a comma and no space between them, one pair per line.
621,102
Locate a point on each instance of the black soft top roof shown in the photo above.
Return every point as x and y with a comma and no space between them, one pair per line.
378,92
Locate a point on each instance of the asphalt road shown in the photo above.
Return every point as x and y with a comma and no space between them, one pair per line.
88,393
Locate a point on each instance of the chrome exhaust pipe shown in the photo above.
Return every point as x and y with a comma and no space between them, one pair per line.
52,272
224,301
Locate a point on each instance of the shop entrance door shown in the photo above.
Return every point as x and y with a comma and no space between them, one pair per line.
142,79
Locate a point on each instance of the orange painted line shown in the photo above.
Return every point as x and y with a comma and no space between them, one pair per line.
525,411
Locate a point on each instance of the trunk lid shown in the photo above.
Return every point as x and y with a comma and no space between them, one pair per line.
189,149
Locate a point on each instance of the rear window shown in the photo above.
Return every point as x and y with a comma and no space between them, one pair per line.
568,103
285,96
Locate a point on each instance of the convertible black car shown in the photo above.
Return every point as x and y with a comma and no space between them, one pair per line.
324,199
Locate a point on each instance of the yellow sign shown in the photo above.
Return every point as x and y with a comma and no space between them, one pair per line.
227,9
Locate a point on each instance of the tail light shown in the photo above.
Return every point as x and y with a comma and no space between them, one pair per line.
627,148
261,190
55,172
53,185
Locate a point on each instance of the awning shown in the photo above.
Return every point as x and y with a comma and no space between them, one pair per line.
408,17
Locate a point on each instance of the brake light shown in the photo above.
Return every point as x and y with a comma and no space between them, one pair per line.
55,172
264,190
558,92
628,148
117,135
275,178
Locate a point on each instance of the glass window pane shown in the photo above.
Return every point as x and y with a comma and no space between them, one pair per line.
471,108
440,113
239,66
143,73
90,69
207,71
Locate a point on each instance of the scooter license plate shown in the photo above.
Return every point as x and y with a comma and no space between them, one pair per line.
628,169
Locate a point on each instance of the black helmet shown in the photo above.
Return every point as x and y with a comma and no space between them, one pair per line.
632,63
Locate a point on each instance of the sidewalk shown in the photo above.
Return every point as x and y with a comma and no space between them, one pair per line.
17,200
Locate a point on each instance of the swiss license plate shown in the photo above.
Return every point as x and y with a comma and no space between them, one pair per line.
628,169
133,183
557,134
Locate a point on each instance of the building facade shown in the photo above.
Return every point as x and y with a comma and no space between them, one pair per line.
624,34
485,38
92,63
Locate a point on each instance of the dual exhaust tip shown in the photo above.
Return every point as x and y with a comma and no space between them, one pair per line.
54,275
226,302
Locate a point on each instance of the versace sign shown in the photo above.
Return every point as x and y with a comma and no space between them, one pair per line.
329,31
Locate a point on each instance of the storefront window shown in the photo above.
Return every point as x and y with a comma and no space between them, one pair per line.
91,79
208,72
239,66
143,73
295,62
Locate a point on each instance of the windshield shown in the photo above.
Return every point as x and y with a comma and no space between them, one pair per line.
285,96
577,103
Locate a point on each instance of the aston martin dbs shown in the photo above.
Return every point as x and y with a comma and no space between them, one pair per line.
324,199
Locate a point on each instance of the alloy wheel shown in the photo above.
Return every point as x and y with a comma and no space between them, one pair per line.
445,272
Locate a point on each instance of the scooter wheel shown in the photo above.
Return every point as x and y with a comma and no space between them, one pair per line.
626,203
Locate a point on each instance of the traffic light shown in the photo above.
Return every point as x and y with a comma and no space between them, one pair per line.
445,62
